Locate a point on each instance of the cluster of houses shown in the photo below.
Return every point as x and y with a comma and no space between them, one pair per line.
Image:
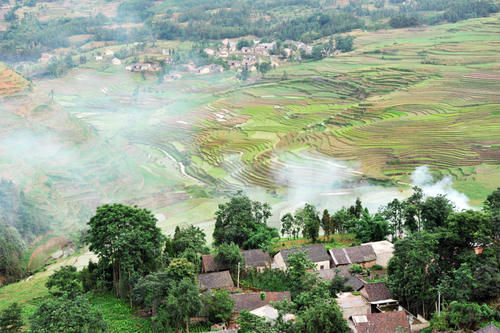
369,307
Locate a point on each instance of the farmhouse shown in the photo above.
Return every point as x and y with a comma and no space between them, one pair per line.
383,251
363,255
116,61
377,295
208,264
215,280
353,305
252,301
143,67
257,259
316,253
385,322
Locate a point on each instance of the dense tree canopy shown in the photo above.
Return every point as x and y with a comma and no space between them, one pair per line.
243,222
127,239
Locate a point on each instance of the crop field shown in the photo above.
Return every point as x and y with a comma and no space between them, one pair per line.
429,97
10,82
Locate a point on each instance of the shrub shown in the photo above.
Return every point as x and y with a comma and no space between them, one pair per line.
356,268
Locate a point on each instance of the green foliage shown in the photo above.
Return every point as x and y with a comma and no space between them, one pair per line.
309,219
11,253
180,268
300,278
376,267
337,284
218,306
287,223
182,302
11,320
322,317
151,290
264,67
327,223
404,21
413,271
469,315
243,222
356,268
69,315
126,238
229,255
188,238
435,211
268,280
345,43
65,281
243,43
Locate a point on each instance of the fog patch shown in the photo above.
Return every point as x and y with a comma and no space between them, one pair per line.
422,178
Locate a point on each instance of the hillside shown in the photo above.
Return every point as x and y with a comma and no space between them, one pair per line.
11,83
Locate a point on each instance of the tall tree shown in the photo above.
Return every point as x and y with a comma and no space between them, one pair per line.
298,272
327,224
287,224
308,217
229,255
218,306
65,281
240,219
151,290
394,214
435,211
126,238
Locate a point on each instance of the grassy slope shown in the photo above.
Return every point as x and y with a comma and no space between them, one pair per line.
11,83
422,96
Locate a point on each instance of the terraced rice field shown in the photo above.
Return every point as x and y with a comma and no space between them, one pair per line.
429,96
11,83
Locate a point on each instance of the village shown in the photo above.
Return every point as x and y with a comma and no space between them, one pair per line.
368,307
234,55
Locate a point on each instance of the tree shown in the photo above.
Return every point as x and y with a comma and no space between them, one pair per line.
243,43
219,306
371,228
67,315
287,224
182,303
413,272
126,238
468,315
250,323
299,277
341,220
327,223
435,211
11,320
413,210
189,238
180,268
151,290
337,284
393,213
322,317
239,219
229,255
308,217
492,206
65,281
344,44
459,285
264,67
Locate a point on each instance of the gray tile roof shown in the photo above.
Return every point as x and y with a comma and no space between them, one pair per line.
377,292
252,301
315,253
355,283
208,264
215,280
256,258
489,329
353,255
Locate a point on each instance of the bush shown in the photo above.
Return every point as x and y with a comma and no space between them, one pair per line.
377,267
356,269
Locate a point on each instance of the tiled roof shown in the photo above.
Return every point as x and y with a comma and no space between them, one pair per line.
329,274
315,253
252,301
377,292
353,255
384,322
355,283
215,280
256,258
208,264
489,329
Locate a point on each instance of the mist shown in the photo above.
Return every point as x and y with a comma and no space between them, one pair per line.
423,178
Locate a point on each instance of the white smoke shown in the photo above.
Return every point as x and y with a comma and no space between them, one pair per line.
422,178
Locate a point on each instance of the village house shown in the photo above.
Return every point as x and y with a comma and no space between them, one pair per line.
208,264
257,259
377,295
327,275
116,61
252,301
143,67
362,255
212,68
385,322
215,280
98,57
383,251
353,305
109,53
316,253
